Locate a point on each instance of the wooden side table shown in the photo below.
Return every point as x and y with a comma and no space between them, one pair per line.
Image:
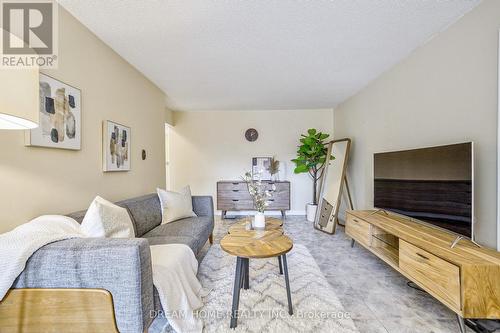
244,225
255,244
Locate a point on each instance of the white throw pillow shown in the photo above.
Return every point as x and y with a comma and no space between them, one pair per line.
105,219
174,205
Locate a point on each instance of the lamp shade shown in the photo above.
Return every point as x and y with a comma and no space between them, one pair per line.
19,98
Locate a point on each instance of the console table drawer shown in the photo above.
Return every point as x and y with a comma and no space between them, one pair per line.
280,196
279,187
235,204
438,276
232,186
278,203
234,194
358,230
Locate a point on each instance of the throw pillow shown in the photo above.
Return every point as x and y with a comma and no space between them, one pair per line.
105,219
175,205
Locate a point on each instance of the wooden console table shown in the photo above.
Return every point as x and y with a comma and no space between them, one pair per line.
465,278
234,196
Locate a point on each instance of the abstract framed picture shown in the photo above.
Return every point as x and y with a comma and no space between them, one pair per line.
116,146
60,116
260,167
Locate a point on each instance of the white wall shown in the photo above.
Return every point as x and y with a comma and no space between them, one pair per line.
36,181
210,146
445,92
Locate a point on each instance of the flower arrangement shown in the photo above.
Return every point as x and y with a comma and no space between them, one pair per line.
258,191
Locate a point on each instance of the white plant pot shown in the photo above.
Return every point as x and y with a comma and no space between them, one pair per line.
259,221
311,212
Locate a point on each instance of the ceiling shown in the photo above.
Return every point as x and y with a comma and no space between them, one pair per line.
264,54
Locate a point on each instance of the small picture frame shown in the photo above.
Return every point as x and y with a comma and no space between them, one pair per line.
260,165
115,146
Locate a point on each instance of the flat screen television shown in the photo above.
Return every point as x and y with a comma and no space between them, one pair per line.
433,185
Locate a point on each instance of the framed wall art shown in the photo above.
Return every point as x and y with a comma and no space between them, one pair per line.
260,166
116,146
60,116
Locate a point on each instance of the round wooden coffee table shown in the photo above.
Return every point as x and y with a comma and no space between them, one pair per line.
247,244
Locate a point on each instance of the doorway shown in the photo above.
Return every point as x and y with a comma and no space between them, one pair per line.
168,130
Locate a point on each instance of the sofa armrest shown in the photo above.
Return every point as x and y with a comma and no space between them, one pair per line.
121,266
203,205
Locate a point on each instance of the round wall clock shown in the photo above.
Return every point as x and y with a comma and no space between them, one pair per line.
251,134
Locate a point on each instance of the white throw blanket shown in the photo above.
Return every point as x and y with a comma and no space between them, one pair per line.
174,266
17,246
174,276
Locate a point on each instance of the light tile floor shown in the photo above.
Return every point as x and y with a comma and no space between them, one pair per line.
376,296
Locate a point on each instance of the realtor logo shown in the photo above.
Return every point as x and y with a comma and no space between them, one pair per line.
29,33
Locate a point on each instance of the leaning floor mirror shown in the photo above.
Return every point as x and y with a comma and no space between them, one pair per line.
332,187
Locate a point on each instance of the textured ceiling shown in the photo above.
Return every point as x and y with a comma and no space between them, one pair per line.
264,54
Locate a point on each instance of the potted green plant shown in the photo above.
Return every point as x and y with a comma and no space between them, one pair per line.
311,158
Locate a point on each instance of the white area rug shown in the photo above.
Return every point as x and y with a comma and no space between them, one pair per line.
264,306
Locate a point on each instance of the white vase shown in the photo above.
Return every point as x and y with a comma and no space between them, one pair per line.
311,212
259,221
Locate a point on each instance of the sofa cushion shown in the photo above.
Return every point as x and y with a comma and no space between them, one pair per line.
105,219
186,240
199,228
78,216
175,205
145,211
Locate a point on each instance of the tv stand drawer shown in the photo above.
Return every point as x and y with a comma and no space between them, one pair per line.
439,277
358,229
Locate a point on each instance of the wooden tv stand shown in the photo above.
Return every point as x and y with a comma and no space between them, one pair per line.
465,278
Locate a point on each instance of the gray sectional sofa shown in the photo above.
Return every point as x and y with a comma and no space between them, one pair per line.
121,266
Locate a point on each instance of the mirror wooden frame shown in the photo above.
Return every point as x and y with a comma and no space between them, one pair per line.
323,203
